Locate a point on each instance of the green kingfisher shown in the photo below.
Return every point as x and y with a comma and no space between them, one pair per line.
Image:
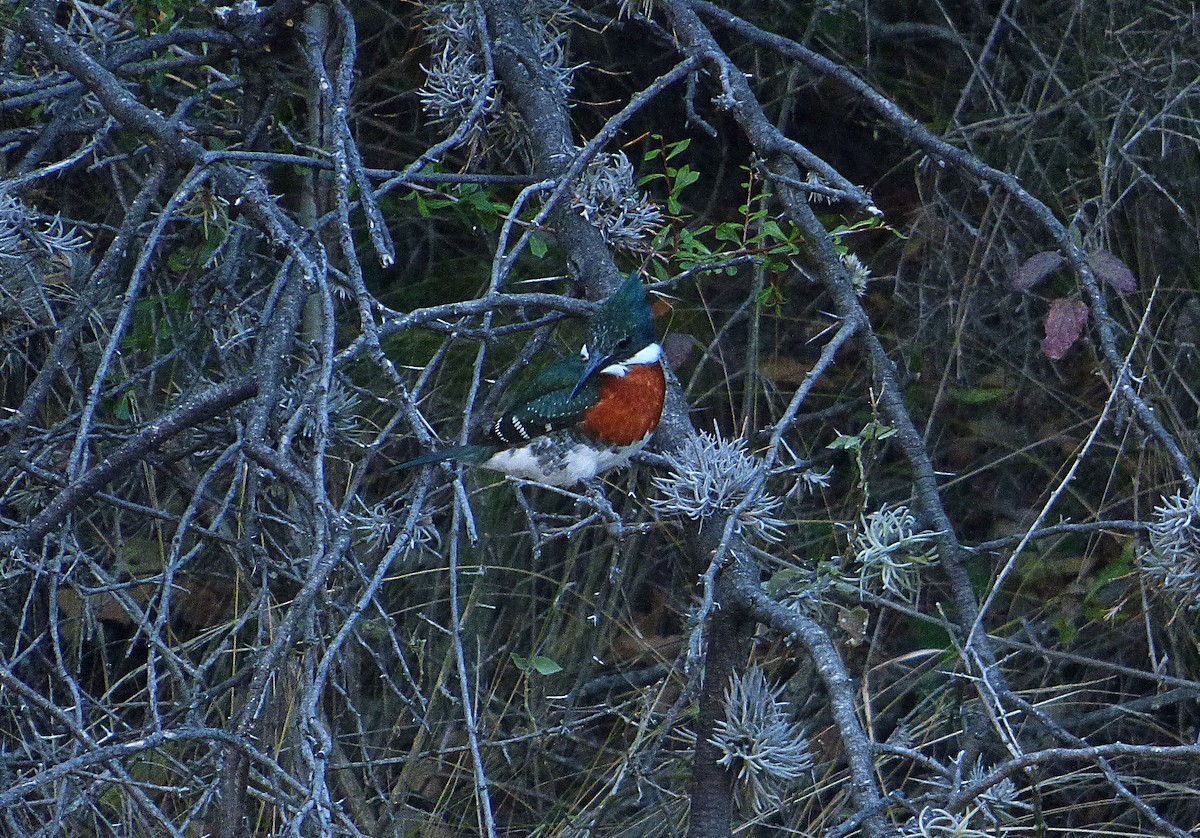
584,414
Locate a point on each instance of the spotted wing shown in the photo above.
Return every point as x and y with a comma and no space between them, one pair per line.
545,405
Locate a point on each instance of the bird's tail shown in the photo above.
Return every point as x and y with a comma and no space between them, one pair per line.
473,454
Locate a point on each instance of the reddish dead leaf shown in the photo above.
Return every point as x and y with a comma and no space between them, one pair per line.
1112,271
1036,268
1064,325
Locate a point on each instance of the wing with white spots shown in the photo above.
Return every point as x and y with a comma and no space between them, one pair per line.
545,414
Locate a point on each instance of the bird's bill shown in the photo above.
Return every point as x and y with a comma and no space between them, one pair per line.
595,363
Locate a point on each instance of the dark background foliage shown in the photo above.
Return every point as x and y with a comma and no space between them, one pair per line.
930,564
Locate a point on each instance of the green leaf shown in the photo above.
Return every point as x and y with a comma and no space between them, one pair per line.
877,430
124,407
544,665
181,261
481,201
846,442
1066,630
685,177
870,431
1123,566
213,240
676,148
540,664
729,232
771,228
538,246
978,395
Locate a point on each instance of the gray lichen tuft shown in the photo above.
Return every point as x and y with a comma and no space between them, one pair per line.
23,231
1173,562
712,477
932,822
456,79
999,801
859,273
608,197
759,740
891,551
380,527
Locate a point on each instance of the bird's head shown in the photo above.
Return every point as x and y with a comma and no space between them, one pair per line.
622,334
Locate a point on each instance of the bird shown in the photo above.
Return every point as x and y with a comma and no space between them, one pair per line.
584,414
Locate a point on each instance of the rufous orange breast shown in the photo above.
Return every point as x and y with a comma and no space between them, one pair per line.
630,406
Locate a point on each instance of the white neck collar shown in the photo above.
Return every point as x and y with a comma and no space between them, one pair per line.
651,354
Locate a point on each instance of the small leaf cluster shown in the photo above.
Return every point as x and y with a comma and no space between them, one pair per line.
540,664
